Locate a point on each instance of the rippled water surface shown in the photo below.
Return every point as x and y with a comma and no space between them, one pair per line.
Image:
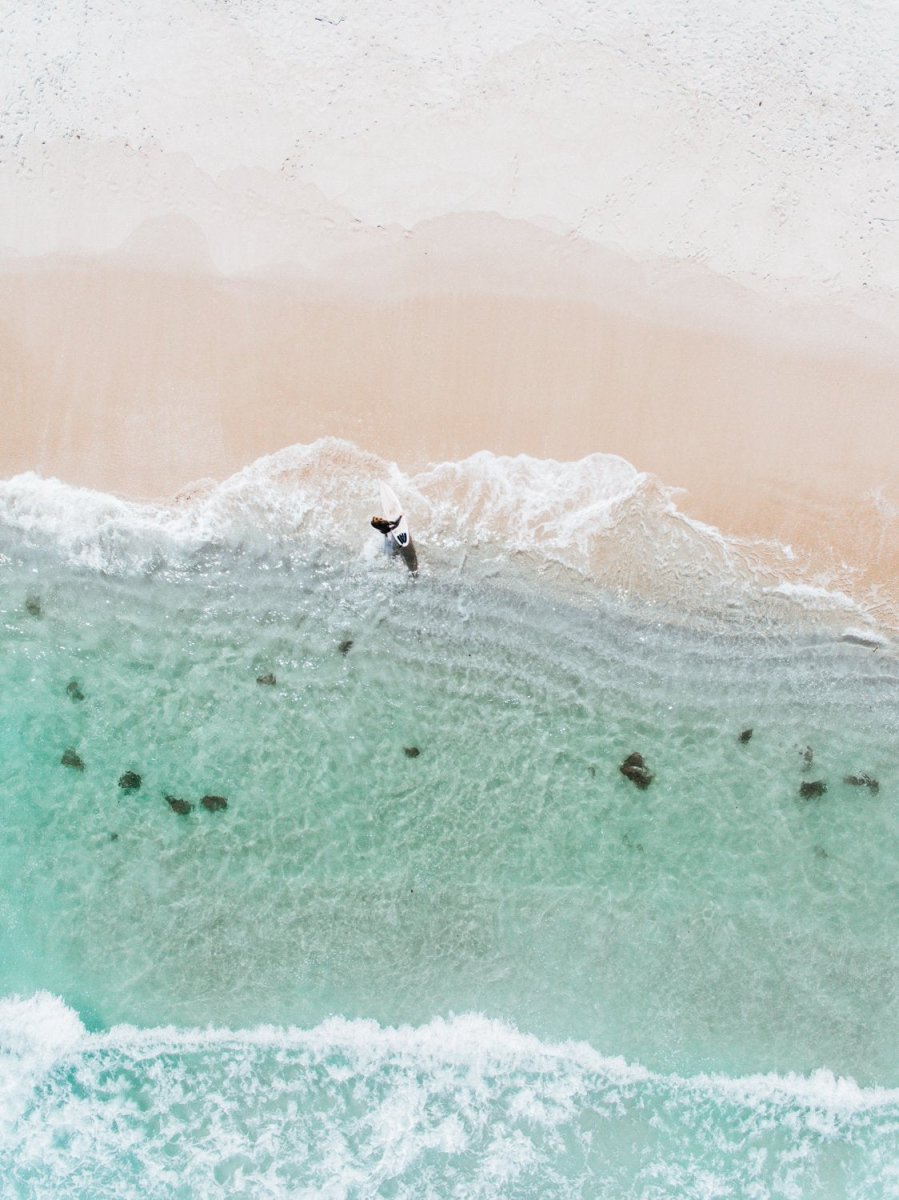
425,817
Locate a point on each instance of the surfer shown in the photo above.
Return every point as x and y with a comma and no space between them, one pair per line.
394,544
383,525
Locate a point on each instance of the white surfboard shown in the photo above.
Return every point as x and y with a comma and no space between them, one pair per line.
390,508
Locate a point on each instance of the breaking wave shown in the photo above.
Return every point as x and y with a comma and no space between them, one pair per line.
460,1106
594,522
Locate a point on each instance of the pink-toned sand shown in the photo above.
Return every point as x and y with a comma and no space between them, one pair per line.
121,377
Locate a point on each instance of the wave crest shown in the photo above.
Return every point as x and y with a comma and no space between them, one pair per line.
595,522
464,1104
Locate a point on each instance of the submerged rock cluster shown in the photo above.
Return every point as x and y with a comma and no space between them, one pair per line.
182,807
71,758
865,780
814,789
131,781
635,769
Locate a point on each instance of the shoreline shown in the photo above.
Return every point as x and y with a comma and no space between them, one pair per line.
138,382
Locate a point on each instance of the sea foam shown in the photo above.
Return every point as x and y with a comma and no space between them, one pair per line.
593,522
463,1105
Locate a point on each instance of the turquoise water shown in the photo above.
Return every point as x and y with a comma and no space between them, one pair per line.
666,981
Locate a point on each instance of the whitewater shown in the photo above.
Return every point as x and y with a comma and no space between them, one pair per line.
458,1107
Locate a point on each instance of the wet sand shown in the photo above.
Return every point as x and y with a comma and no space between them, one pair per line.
778,421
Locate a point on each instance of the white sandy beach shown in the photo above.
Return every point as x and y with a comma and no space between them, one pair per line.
663,236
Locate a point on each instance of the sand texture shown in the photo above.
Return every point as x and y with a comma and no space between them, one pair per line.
138,381
669,235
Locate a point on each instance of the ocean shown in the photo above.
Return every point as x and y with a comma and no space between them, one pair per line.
435,942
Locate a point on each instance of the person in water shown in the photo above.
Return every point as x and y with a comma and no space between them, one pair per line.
384,526
401,545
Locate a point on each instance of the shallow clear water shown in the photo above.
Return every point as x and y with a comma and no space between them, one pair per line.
711,927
